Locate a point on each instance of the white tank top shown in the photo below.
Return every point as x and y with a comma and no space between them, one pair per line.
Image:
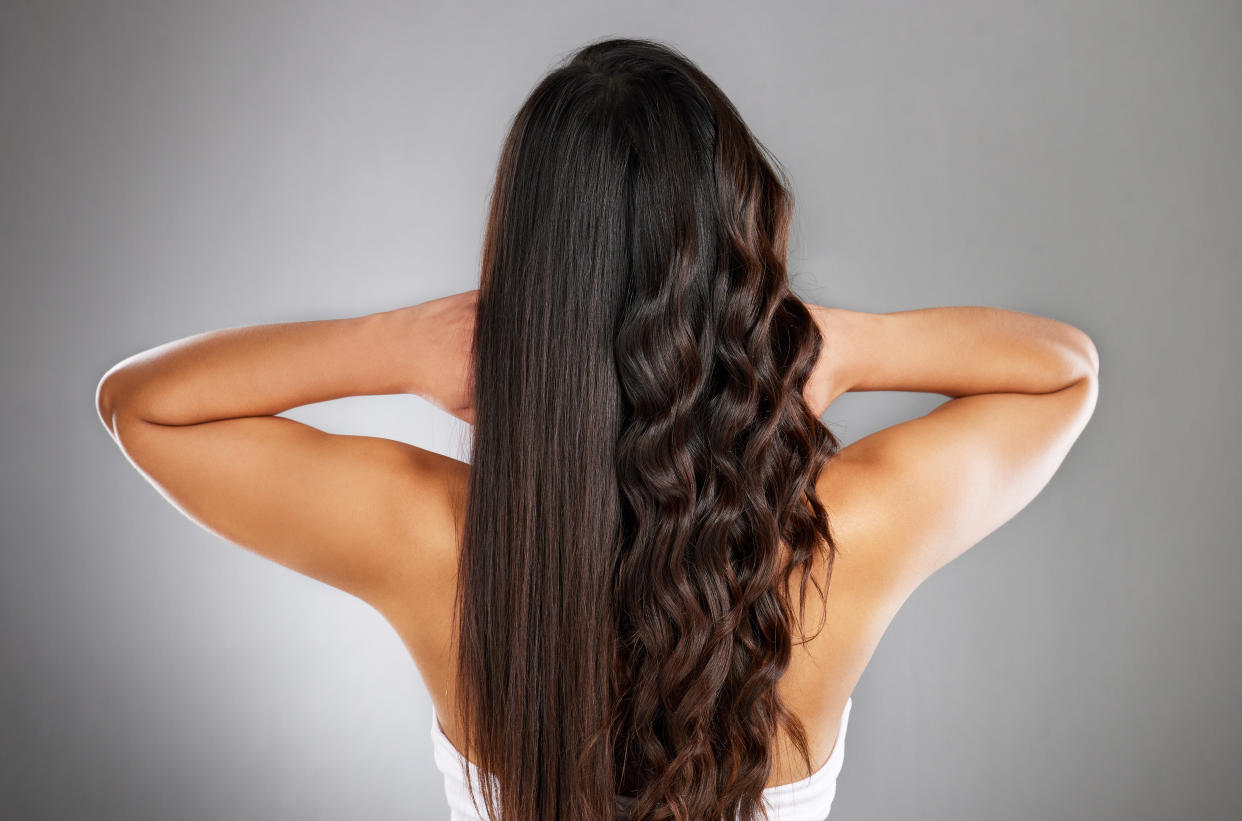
807,800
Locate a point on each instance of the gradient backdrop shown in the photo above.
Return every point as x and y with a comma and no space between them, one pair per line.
169,168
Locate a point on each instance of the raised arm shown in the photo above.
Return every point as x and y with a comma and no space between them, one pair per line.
921,492
954,351
198,417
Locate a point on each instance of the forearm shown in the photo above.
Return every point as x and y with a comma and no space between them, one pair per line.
259,370
958,350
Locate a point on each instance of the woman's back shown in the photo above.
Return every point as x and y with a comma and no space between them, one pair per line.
904,501
816,687
807,799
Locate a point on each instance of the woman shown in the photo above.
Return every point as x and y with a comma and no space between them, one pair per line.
609,603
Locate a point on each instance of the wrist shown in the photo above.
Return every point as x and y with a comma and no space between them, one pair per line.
401,329
845,348
431,344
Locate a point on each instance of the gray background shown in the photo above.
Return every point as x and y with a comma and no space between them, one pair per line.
170,168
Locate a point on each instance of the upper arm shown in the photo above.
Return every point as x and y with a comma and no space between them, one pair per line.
360,513
924,491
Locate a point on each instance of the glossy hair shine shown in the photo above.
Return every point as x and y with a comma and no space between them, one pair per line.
643,461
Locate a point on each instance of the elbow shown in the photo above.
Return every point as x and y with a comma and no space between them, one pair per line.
103,403
1092,355
1081,348
107,400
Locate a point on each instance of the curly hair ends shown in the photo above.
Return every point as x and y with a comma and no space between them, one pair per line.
644,463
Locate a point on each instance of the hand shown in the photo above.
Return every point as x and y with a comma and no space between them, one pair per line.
825,383
442,338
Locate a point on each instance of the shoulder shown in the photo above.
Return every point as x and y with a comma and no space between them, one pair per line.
850,489
428,540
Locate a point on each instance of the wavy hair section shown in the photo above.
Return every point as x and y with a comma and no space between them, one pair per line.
644,463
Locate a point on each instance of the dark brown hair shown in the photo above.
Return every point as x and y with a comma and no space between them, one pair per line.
643,461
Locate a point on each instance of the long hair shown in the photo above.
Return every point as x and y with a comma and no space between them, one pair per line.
643,461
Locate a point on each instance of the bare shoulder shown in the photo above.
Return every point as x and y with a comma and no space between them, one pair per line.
442,484
906,500
423,579
917,495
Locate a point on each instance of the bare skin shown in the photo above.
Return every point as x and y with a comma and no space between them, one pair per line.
375,517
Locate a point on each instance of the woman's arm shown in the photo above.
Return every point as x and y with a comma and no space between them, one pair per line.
262,370
369,515
954,351
1022,390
